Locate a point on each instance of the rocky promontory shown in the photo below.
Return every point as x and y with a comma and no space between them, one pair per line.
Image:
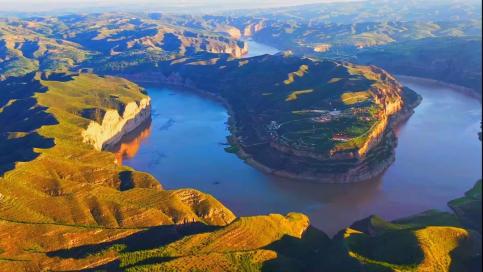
114,126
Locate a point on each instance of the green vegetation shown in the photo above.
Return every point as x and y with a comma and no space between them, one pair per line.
468,208
232,149
430,241
426,242
23,50
303,69
442,51
326,110
80,194
355,97
295,94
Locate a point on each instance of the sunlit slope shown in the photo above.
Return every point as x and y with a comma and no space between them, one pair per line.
259,243
69,206
445,50
68,182
237,245
72,183
450,59
432,241
23,50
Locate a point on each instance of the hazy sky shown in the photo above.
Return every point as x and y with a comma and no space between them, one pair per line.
51,5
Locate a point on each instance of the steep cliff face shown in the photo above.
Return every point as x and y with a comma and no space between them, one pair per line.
238,30
113,126
236,50
233,32
253,28
388,97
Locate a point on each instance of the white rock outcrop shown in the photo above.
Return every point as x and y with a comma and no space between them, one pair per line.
114,126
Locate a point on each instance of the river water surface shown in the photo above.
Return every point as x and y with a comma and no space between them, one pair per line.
438,158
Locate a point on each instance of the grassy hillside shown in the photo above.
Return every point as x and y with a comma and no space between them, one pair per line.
468,208
70,173
432,241
129,42
445,50
332,39
56,180
289,95
240,245
454,60
70,204
23,50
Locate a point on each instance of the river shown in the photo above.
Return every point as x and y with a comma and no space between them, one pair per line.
438,158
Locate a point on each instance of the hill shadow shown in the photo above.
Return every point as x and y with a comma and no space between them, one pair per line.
20,117
126,180
315,251
21,149
150,238
467,255
297,254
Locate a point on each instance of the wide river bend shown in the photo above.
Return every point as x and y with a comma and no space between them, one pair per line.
438,158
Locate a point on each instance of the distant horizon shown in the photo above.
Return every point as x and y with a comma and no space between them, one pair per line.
42,6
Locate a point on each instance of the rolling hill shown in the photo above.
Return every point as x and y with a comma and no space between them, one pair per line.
66,204
62,43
